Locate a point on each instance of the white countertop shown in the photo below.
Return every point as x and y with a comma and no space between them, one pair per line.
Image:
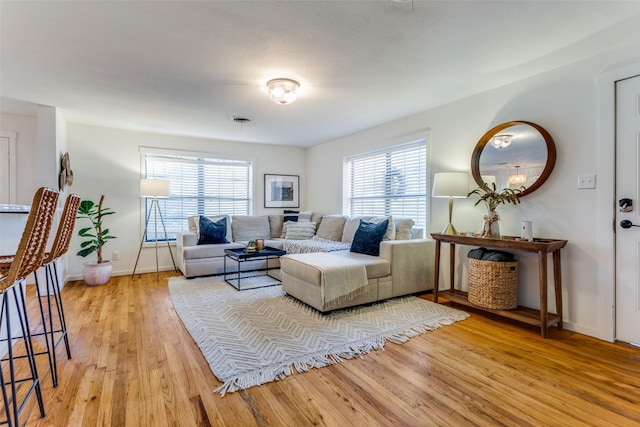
14,209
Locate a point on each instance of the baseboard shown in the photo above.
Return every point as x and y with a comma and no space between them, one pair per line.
122,273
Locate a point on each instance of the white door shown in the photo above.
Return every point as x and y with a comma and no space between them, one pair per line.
628,218
8,167
5,171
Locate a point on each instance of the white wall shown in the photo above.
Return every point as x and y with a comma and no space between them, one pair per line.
565,103
46,168
107,161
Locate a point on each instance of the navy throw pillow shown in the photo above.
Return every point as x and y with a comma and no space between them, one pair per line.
290,215
212,231
368,237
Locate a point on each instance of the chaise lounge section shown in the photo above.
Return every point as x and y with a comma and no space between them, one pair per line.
403,267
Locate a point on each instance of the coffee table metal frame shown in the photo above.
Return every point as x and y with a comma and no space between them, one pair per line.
242,255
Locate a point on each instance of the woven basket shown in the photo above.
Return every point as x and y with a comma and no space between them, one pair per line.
493,284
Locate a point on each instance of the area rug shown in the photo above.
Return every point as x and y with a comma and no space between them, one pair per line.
261,335
252,280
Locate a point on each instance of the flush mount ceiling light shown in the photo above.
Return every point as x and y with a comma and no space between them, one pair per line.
283,91
501,141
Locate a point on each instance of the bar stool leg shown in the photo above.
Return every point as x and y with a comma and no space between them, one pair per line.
63,322
50,350
26,336
13,408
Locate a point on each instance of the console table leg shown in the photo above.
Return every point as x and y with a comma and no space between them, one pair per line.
557,280
452,266
436,274
542,266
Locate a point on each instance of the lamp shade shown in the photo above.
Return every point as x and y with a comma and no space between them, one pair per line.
450,184
154,188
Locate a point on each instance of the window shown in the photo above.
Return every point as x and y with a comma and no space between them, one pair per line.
198,186
392,181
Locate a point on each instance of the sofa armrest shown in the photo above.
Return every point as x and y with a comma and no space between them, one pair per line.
186,238
412,263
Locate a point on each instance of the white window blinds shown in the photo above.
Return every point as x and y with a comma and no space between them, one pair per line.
388,182
198,186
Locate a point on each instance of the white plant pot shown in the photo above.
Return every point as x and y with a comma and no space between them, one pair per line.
95,274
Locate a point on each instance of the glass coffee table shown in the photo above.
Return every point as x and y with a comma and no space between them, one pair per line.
242,255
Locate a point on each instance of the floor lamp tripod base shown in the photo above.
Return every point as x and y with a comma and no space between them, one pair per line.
156,211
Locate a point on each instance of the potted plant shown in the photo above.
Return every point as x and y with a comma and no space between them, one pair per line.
492,199
94,272
251,246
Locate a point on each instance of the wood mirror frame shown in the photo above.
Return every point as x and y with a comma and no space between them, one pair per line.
486,138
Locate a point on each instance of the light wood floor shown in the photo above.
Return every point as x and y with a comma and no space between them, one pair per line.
134,364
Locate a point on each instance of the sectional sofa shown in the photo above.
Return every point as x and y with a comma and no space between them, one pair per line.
319,268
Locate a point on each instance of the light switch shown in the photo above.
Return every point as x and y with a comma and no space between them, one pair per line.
586,181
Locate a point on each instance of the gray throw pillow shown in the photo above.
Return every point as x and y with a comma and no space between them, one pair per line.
250,227
331,227
300,230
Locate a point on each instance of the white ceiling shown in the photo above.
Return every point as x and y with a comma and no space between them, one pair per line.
184,67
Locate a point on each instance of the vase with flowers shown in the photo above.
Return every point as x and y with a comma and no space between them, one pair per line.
492,198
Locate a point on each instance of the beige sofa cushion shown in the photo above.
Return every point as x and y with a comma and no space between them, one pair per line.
302,266
300,230
331,227
403,228
209,251
275,225
375,266
250,227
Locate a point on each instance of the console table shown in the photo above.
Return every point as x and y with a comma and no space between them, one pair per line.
541,317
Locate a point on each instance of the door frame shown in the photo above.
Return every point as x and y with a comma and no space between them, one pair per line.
605,206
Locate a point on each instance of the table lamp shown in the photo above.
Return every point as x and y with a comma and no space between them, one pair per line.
451,185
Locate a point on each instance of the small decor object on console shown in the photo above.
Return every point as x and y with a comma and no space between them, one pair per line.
492,198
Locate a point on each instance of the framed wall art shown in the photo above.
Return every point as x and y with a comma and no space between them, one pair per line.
281,191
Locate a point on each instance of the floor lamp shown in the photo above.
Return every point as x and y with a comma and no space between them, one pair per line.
154,189
451,185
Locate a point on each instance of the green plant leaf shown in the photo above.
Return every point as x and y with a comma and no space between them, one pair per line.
86,251
96,237
86,232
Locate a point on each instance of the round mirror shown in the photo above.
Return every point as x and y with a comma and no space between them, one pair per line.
514,155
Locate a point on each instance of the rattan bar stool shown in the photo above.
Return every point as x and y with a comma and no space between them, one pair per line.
27,259
59,247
